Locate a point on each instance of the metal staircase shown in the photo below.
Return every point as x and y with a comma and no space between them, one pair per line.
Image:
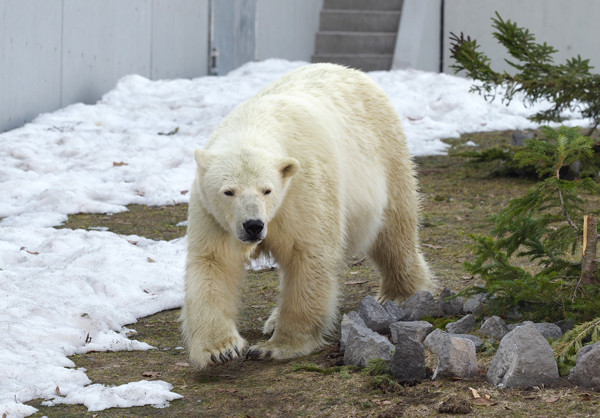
358,33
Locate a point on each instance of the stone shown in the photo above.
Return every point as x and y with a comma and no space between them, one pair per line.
435,340
475,304
456,358
524,358
565,324
519,137
549,330
474,338
417,330
494,327
450,307
462,326
394,310
510,327
363,345
586,372
349,319
408,361
374,315
420,305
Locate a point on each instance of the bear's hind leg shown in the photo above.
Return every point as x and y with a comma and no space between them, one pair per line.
397,256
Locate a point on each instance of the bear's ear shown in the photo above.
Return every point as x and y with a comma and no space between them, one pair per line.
288,167
202,158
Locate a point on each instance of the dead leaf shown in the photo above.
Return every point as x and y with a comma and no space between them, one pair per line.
433,247
552,399
132,242
355,282
483,402
182,364
119,164
475,393
150,260
184,192
57,390
151,375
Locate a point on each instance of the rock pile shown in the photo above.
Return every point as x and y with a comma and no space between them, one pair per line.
399,335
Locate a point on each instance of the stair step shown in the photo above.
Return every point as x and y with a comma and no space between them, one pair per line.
363,4
364,62
355,42
359,20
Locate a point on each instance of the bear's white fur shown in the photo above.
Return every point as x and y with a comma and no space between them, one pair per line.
312,169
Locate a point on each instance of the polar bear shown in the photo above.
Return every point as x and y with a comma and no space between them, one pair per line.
312,169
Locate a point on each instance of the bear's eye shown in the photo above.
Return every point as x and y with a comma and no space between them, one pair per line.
268,191
229,193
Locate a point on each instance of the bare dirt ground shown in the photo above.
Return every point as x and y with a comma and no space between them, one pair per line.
457,199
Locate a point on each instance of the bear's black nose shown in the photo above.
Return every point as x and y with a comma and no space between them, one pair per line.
253,227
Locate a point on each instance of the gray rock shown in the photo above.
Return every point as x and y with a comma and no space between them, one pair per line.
524,358
462,326
519,137
549,330
513,314
417,330
408,361
587,369
475,304
420,305
394,310
374,315
494,327
565,324
349,319
456,358
364,344
436,340
510,327
474,338
450,307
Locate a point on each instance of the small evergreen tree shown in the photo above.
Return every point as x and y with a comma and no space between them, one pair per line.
544,227
566,86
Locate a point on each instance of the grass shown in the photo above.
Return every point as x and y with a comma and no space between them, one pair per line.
457,199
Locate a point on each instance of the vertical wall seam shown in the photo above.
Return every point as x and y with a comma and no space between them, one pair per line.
62,54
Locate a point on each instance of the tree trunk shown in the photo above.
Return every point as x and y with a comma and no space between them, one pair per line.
590,241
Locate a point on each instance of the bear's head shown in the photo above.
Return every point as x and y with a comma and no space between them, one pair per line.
243,189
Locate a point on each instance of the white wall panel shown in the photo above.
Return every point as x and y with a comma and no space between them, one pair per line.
102,41
30,59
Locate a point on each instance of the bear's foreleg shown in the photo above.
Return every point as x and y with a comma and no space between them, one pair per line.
209,314
306,310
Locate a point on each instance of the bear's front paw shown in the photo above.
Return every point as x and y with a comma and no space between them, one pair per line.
218,353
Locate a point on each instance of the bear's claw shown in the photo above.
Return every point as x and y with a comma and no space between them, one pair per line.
226,357
257,354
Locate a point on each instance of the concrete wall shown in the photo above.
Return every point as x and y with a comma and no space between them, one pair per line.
569,26
418,40
57,52
255,30
286,28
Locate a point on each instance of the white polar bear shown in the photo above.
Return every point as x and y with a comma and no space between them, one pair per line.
312,169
